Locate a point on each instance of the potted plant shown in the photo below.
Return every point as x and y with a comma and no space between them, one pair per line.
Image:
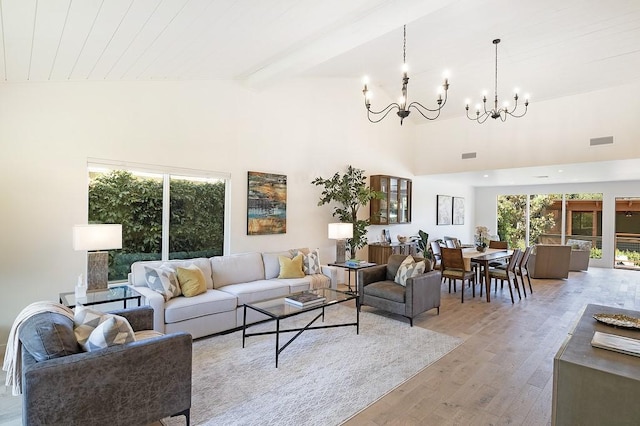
350,192
423,243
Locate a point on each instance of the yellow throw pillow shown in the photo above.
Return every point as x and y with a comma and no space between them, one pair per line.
291,268
191,280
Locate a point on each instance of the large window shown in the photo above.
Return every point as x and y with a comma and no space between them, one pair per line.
164,215
550,219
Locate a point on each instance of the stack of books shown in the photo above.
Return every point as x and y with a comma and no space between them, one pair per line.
302,300
355,262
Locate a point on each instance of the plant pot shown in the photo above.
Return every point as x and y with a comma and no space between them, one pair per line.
481,248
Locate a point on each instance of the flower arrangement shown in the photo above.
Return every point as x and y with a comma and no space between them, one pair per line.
482,236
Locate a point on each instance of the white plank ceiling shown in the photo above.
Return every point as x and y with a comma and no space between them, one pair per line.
550,48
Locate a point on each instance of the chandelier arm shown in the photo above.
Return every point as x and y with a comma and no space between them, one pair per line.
518,116
415,106
388,109
482,118
418,106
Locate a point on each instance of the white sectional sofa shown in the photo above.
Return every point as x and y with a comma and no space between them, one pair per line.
231,281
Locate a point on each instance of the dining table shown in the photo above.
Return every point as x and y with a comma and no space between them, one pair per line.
483,258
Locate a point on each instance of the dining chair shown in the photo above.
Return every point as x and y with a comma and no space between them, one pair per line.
507,274
502,245
522,268
453,269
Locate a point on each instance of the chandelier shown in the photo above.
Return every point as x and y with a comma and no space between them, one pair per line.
496,112
401,105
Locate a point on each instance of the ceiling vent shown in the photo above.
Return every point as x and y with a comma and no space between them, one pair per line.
601,141
468,155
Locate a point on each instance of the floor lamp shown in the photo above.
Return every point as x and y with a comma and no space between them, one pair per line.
340,232
94,239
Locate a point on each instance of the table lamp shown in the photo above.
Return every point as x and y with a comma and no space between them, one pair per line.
94,239
340,232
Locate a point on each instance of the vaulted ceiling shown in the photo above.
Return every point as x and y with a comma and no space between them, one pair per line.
549,48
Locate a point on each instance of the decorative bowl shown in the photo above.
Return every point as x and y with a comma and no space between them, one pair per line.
402,239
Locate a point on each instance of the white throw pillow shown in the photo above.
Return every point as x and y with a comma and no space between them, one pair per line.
409,268
311,263
95,329
163,280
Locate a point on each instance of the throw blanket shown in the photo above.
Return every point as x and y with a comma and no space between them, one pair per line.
13,354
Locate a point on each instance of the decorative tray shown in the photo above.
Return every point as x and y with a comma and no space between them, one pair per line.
618,320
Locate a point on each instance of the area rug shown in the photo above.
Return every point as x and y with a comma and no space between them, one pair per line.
323,378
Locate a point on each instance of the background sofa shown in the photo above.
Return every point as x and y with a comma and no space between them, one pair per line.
550,261
130,384
231,281
580,253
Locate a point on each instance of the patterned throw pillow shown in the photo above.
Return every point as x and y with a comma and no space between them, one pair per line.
115,330
86,321
409,268
191,280
291,268
312,262
163,280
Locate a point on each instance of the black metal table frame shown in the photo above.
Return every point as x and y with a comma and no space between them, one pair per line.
299,331
354,268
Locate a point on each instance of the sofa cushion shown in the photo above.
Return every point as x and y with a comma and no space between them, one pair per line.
208,303
138,273
115,330
236,268
386,290
49,335
272,264
256,290
291,268
191,280
163,280
311,262
305,283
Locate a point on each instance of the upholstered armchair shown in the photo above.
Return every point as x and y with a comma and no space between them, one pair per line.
378,289
135,383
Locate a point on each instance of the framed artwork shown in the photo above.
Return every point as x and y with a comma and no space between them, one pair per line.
458,211
266,204
444,203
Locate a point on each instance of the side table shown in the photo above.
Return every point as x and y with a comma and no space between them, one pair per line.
353,268
100,296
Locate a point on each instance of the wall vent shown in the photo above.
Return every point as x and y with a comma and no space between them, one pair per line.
601,141
467,155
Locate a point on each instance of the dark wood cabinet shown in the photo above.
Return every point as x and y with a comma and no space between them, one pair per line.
395,205
379,253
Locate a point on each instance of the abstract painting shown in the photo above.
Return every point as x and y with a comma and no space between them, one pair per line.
458,211
266,204
444,210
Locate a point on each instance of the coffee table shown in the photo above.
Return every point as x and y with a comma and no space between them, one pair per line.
277,309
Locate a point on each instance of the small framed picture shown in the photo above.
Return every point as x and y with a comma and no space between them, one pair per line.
444,209
458,211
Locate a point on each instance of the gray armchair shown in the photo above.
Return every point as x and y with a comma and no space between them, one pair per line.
378,289
132,384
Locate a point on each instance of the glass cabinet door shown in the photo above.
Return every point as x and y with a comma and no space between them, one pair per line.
393,200
403,202
384,206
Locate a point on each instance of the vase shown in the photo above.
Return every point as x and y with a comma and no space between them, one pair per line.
481,248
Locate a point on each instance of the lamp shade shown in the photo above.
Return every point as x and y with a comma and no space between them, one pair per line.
97,237
340,231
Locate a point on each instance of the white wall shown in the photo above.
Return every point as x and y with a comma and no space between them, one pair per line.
303,129
552,132
486,206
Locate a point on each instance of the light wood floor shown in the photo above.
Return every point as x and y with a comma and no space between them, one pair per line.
502,373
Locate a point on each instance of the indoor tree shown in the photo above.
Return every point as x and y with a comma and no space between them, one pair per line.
350,192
